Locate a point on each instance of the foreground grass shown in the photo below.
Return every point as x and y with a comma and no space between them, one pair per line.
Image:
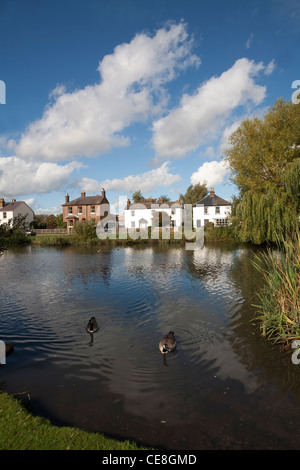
279,307
20,430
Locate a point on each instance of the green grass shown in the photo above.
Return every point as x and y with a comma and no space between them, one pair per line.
279,308
20,430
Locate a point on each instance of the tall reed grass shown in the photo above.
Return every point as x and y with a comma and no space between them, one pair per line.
279,307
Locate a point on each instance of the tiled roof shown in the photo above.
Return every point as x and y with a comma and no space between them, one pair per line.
10,206
86,201
151,204
213,201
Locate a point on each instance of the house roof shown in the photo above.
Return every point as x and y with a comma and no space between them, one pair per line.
151,204
11,206
212,200
87,200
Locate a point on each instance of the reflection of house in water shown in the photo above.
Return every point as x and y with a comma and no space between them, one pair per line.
97,270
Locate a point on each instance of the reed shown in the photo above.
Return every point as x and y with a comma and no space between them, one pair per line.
279,306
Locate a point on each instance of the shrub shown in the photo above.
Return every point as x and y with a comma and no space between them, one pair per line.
279,307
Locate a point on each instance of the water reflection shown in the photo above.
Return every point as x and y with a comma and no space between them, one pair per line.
137,295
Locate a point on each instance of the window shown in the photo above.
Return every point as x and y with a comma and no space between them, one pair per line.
70,209
217,210
205,210
221,222
132,213
132,224
4,215
198,223
93,210
79,210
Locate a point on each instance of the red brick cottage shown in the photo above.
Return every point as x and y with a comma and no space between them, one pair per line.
85,208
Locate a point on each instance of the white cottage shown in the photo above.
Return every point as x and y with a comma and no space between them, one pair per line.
213,209
10,210
148,213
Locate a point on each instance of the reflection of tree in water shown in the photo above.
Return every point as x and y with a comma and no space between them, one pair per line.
269,361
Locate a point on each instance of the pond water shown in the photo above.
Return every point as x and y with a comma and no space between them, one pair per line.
222,388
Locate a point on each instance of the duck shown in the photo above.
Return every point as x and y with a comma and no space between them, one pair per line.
167,343
92,326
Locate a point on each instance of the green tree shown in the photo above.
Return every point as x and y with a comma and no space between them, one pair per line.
264,158
163,198
51,221
137,196
60,222
85,230
194,193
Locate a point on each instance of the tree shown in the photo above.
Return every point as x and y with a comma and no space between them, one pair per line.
194,193
264,158
163,198
60,222
137,196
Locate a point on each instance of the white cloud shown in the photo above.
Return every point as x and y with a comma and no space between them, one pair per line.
19,177
270,67
249,41
90,121
210,172
202,115
146,182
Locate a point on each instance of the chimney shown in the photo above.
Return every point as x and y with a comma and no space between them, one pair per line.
67,198
212,192
2,202
103,192
82,193
128,202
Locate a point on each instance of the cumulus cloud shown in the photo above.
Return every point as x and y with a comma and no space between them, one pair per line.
201,116
90,121
19,177
211,172
146,182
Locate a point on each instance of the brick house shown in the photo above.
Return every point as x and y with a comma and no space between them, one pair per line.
85,208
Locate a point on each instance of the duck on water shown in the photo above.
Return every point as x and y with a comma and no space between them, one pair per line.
167,343
92,327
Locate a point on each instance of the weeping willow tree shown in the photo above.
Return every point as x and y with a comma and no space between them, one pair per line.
265,162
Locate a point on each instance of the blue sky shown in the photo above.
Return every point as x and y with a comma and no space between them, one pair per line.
137,94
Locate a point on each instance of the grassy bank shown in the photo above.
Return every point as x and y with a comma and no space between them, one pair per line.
279,302
20,430
212,234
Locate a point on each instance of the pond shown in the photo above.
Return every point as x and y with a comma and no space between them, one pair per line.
222,388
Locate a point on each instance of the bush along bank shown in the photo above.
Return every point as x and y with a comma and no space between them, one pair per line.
278,310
